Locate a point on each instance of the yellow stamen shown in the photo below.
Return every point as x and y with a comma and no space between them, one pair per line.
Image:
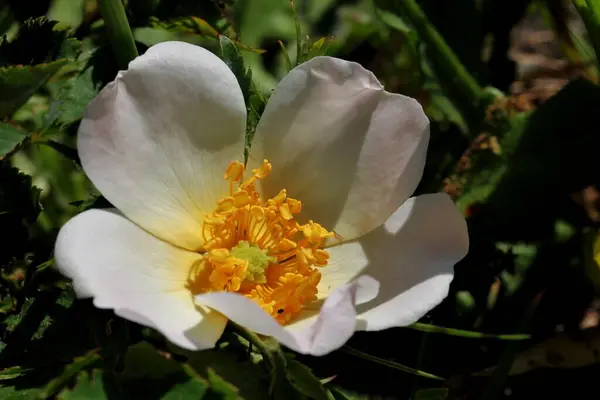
258,249
234,172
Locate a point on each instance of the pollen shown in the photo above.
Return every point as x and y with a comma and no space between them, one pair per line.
257,248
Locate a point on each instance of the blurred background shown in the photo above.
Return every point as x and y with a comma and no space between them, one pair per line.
511,89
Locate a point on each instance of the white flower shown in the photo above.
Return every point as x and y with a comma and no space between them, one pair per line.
187,249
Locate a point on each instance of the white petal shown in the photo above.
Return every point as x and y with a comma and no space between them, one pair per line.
412,255
349,150
158,139
139,276
319,335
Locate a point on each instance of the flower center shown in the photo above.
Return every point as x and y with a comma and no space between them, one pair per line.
257,259
257,248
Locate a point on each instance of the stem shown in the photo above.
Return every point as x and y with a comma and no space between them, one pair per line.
118,30
496,383
456,75
420,357
271,352
468,334
391,364
70,371
298,32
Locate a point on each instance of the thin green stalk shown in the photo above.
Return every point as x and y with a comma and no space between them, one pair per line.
118,31
467,334
389,364
286,56
493,390
420,357
298,32
456,75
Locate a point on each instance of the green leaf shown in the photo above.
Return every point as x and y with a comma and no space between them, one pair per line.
87,387
18,392
27,62
19,207
13,372
63,149
73,96
12,321
143,361
231,56
219,373
318,48
192,388
69,372
431,394
254,101
18,83
68,12
590,14
10,139
6,19
275,22
441,108
38,42
451,72
303,380
247,377
343,394
220,386
546,155
393,21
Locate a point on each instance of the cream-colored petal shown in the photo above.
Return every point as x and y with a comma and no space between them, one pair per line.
322,333
158,139
139,276
412,255
349,150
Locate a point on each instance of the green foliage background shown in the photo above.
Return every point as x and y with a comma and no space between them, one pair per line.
522,166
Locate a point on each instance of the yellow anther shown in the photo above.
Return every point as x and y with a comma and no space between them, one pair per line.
257,212
214,220
263,171
321,257
295,205
301,258
218,255
234,171
228,277
212,244
308,254
315,233
285,212
226,204
286,245
281,196
271,214
241,198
